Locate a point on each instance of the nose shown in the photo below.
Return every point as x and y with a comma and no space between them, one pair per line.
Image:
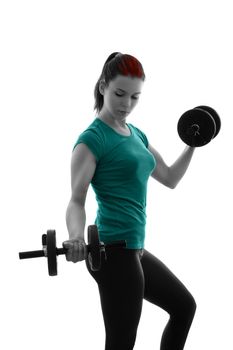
126,104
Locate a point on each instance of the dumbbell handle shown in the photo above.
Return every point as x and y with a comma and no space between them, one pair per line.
39,253
32,254
117,244
60,251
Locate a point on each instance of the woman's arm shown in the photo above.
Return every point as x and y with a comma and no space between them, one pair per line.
83,165
170,176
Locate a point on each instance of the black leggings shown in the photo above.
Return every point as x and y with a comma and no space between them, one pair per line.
126,278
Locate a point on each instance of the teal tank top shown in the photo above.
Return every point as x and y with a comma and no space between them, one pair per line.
123,166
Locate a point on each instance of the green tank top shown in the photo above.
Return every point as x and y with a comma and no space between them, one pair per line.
123,166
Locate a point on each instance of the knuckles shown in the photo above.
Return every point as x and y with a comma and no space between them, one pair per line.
76,251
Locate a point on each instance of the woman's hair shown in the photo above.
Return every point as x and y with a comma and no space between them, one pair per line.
117,64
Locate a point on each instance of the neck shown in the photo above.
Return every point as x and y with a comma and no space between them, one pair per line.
112,122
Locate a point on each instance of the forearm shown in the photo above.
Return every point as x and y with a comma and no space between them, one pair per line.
75,220
178,169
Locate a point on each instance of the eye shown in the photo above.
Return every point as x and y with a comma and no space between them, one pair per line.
135,98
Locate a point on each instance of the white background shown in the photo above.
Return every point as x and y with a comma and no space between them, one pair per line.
52,53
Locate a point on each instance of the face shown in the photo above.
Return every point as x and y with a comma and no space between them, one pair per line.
120,96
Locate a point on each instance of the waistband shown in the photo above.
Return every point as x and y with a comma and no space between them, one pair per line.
113,250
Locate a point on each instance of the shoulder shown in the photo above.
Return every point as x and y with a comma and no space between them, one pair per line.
93,132
94,138
141,134
93,129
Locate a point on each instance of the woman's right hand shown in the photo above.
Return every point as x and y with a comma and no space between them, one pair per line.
76,250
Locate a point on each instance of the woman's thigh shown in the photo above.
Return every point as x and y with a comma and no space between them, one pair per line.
163,288
121,286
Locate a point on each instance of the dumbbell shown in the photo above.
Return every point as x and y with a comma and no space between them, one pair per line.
50,251
198,126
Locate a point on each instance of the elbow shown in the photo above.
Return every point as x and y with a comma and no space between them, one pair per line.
78,201
172,186
169,184
172,181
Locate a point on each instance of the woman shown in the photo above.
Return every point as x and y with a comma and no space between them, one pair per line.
117,160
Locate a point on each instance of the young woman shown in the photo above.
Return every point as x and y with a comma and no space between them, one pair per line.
117,159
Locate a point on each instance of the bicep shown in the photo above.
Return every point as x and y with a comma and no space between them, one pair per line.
161,171
83,165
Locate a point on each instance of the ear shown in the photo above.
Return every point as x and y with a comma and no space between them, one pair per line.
102,85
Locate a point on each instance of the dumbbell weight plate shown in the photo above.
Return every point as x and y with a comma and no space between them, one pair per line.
94,255
51,252
204,120
214,115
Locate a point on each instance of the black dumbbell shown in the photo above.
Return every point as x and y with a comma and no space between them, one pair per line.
198,126
50,251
